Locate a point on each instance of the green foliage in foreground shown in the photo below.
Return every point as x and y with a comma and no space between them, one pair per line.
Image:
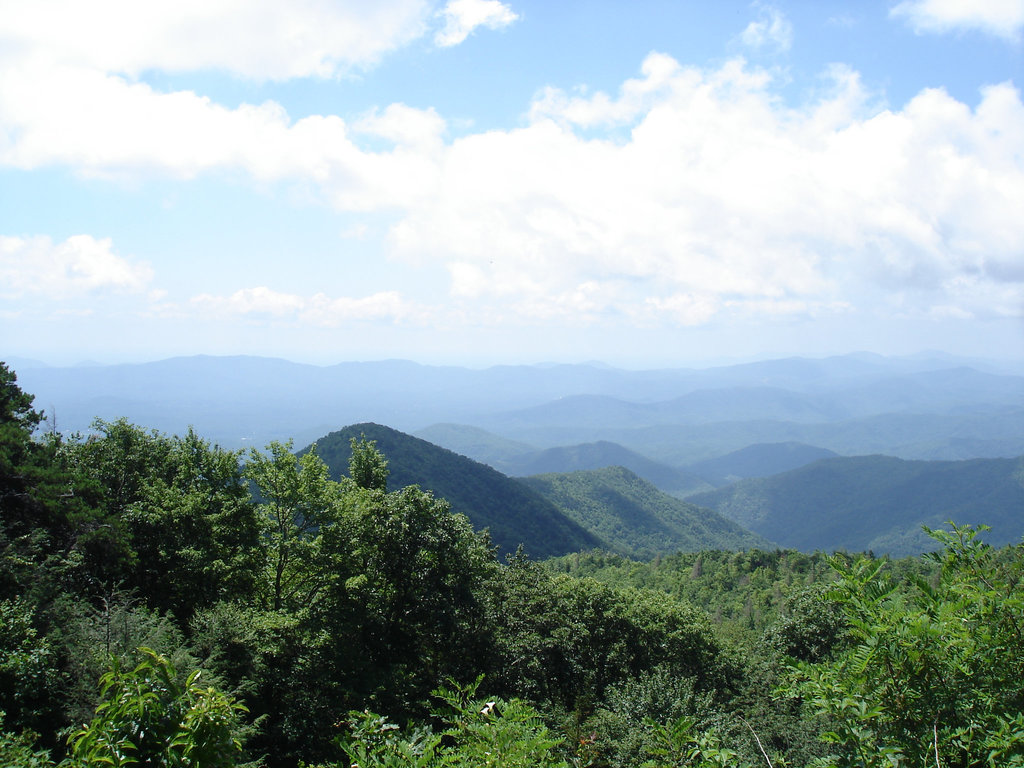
149,716
469,731
935,673
304,598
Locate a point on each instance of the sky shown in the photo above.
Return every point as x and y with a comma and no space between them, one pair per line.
480,182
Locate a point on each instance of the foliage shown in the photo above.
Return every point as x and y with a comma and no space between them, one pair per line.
472,731
935,672
367,466
748,588
28,667
173,518
676,745
149,715
18,750
623,727
299,504
563,641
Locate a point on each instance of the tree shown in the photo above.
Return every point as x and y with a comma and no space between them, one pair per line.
415,593
300,504
26,484
367,466
173,514
934,674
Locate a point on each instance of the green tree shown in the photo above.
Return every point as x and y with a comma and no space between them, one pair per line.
934,673
177,514
564,640
150,716
300,504
367,466
414,595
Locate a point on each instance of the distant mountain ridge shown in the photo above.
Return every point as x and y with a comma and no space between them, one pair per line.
876,502
601,454
853,404
759,460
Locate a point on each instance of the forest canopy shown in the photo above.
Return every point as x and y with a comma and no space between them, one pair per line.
166,602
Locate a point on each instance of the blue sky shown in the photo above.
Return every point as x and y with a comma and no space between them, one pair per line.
478,182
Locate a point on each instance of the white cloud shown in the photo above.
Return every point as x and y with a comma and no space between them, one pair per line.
722,197
317,310
1002,18
79,266
687,195
260,39
461,17
772,28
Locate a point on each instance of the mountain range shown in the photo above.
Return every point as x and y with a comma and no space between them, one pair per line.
857,503
913,408
879,503
855,451
610,509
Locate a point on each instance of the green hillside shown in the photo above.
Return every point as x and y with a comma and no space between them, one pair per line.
634,518
601,454
876,503
513,513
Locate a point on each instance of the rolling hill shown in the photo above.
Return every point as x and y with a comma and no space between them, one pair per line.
760,460
601,454
876,503
635,519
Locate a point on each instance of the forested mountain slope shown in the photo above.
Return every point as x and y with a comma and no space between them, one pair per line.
601,454
512,512
876,503
634,518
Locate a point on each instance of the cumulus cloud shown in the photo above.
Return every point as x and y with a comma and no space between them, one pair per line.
688,195
723,198
1002,18
461,17
79,266
259,39
318,310
771,29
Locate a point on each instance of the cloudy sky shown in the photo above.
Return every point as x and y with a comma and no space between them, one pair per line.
646,183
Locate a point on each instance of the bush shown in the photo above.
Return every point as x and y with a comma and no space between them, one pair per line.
151,717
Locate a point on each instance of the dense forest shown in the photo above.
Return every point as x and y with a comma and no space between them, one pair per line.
166,602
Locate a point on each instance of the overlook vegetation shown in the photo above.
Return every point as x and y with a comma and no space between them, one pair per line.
167,602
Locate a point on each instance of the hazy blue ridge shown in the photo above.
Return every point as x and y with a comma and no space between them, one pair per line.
876,503
760,460
475,443
922,408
